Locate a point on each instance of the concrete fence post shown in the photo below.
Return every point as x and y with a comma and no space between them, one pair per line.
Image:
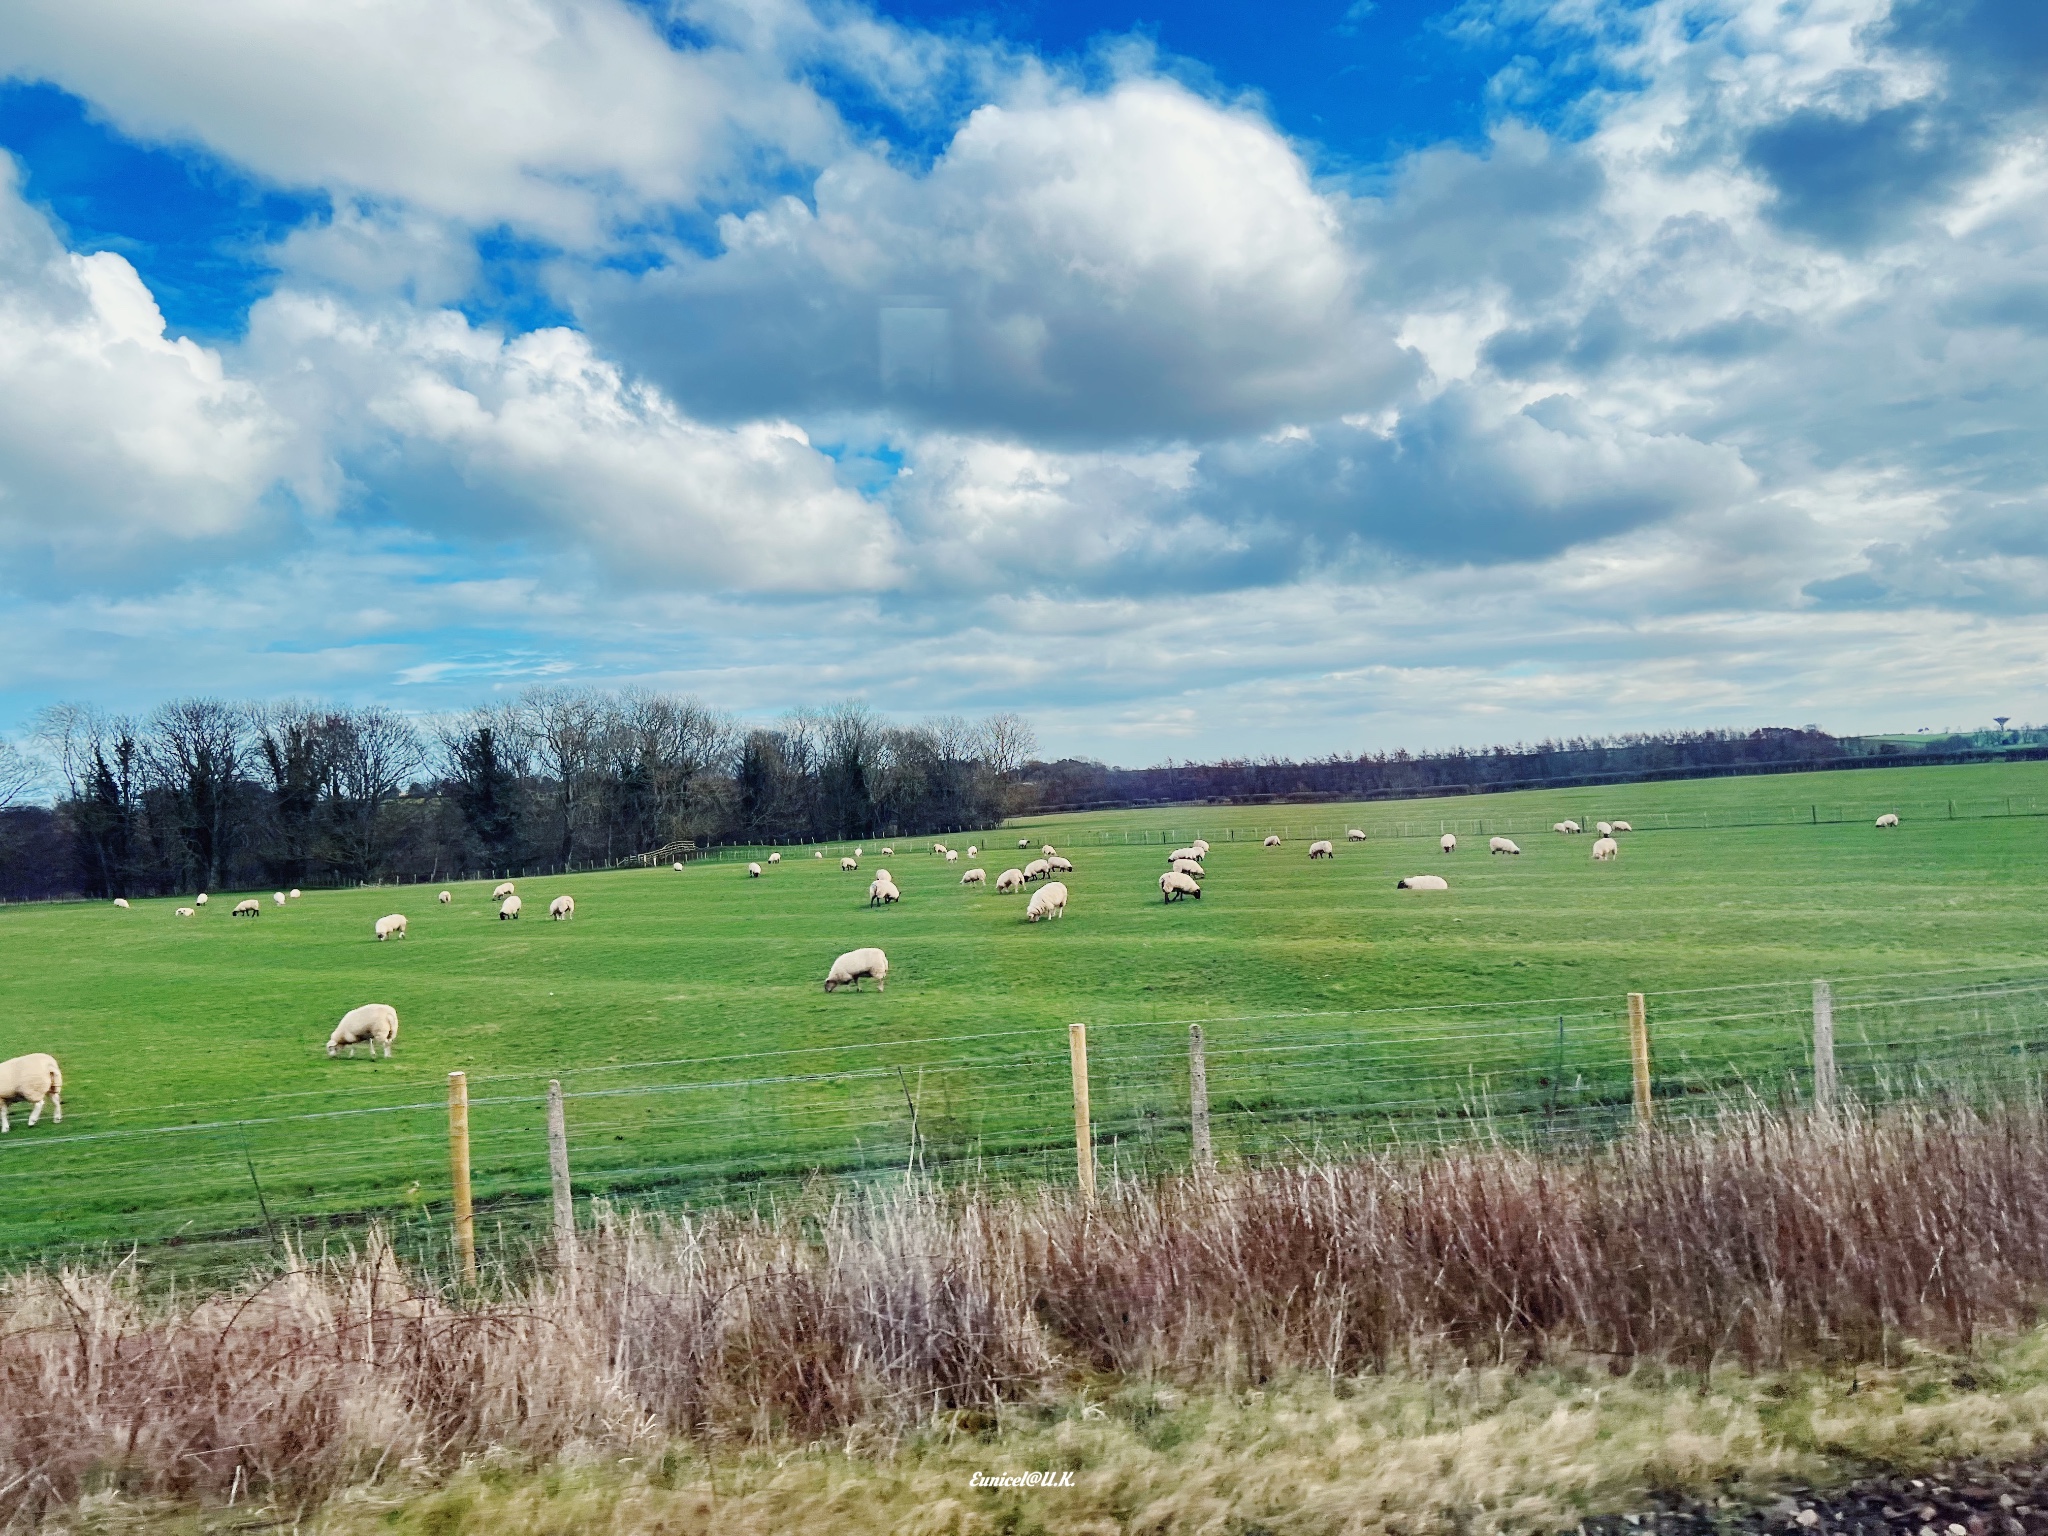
1198,1102
1084,1133
458,1170
558,1178
1639,1055
1824,1080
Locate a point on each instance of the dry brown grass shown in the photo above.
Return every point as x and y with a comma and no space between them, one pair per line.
1764,1242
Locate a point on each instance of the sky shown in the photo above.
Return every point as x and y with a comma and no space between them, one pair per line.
1199,381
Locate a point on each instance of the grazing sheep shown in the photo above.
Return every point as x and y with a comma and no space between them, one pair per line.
975,877
1049,902
753,871
1573,826
819,854
1188,867
1622,826
1037,869
277,898
890,853
1010,880
1271,842
1201,847
847,866
952,855
773,858
1173,886
972,851
509,912
881,892
1321,849
392,927
562,909
939,848
679,866
856,853
1888,819
1355,835
883,874
502,891
848,969
34,1077
1502,845
1604,849
294,893
1423,883
445,897
185,911
1448,842
249,908
121,902
199,900
1189,852
1023,842
1604,828
1060,865
376,1023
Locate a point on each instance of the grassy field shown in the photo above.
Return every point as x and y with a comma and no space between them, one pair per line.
684,1015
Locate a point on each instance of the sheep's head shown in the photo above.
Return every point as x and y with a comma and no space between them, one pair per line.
831,984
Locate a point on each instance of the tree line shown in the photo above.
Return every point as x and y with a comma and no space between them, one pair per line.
205,794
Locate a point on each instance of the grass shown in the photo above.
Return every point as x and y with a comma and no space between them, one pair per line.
684,1014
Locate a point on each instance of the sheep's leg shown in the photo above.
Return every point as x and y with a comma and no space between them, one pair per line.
387,1050
56,1108
35,1114
3,1117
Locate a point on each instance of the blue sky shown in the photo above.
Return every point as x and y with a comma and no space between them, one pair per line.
1197,381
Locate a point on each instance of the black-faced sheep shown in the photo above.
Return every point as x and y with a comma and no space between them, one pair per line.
508,912
1321,848
1502,845
562,908
392,927
1010,880
1173,886
1448,842
250,908
1423,883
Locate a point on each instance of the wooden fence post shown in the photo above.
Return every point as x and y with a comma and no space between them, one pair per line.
1639,1055
1084,1133
1823,1046
1198,1102
458,1168
558,1178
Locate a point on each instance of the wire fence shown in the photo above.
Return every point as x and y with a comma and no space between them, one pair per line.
211,1185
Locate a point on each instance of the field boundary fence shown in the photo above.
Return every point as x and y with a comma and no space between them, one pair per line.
1042,1102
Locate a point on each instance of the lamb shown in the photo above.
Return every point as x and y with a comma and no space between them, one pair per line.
509,912
250,908
1448,842
1622,826
376,1023
1423,883
847,866
952,855
1502,845
1060,865
1037,869
393,927
1604,849
1355,835
753,871
121,902
1174,886
445,897
277,898
1604,828
502,891
881,892
773,858
562,909
1010,880
1888,819
185,911
975,877
199,900
1049,903
1271,842
848,969
1188,867
33,1078
1321,848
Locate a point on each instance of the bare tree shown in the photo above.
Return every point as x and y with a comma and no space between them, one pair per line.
20,774
194,753
566,726
1005,743
370,753
291,757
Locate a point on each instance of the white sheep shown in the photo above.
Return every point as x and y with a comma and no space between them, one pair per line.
1272,841
818,854
881,892
1423,883
848,969
185,911
294,893
938,848
1201,847
753,871
502,891
1605,848
952,855
1571,826
199,900
1448,842
392,927
445,897
562,909
1047,851
1604,828
1188,867
1037,869
376,1023
856,853
1010,880
1173,886
1049,902
883,874
1888,819
277,898
250,908
890,853
509,912
975,877
1622,826
678,866
1059,865
847,866
1321,848
1355,835
972,851
34,1077
1502,845
1023,842
121,902
773,858
1189,852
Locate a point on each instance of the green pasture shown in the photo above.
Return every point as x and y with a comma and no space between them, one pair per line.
684,1015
